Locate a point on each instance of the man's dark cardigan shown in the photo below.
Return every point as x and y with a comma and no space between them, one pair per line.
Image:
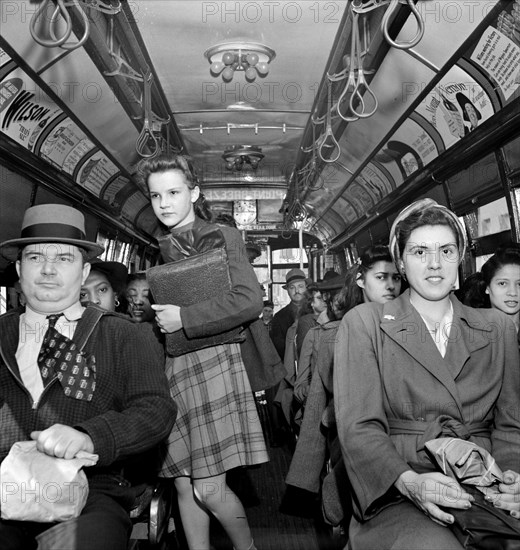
131,410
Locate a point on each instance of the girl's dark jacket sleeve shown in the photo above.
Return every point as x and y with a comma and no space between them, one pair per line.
232,308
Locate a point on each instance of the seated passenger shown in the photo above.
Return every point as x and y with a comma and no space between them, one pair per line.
267,315
323,303
314,313
373,278
120,410
419,367
104,285
139,298
497,284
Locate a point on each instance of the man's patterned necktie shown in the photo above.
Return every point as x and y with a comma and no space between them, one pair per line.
60,356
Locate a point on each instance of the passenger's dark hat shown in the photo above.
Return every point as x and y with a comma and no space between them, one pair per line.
268,303
294,275
115,272
51,223
331,281
255,249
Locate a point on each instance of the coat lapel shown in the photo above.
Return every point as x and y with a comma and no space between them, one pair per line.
470,332
401,322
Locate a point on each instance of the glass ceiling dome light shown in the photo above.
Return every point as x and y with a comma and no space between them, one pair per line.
239,156
251,58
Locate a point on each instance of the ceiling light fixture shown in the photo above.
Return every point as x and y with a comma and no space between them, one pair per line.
227,58
239,156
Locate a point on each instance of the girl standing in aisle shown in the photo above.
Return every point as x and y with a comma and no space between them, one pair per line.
217,426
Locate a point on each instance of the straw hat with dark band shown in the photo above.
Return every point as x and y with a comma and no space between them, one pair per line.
51,223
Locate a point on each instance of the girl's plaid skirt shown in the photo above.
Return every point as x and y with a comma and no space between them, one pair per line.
217,425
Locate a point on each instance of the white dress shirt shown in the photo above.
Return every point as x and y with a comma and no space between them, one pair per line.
33,327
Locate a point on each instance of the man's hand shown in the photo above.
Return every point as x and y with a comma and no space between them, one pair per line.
430,491
62,441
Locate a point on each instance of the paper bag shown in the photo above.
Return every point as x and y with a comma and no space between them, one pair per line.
42,488
465,461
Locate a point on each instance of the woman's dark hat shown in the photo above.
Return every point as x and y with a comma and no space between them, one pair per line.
331,281
254,249
115,272
294,275
51,223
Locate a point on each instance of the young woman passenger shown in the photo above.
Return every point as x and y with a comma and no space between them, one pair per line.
425,372
217,426
497,284
373,278
105,285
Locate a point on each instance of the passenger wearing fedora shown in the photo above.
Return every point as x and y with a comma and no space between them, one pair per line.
295,284
111,399
283,320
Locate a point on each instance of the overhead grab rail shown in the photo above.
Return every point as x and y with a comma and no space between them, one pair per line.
147,135
357,89
232,126
357,86
356,58
60,9
123,67
103,7
329,134
394,4
296,214
360,7
310,174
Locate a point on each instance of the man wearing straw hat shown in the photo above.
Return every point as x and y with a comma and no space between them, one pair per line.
75,379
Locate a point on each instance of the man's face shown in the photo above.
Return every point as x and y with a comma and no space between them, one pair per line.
51,275
296,291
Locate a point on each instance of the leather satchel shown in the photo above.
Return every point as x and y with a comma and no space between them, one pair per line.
189,281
